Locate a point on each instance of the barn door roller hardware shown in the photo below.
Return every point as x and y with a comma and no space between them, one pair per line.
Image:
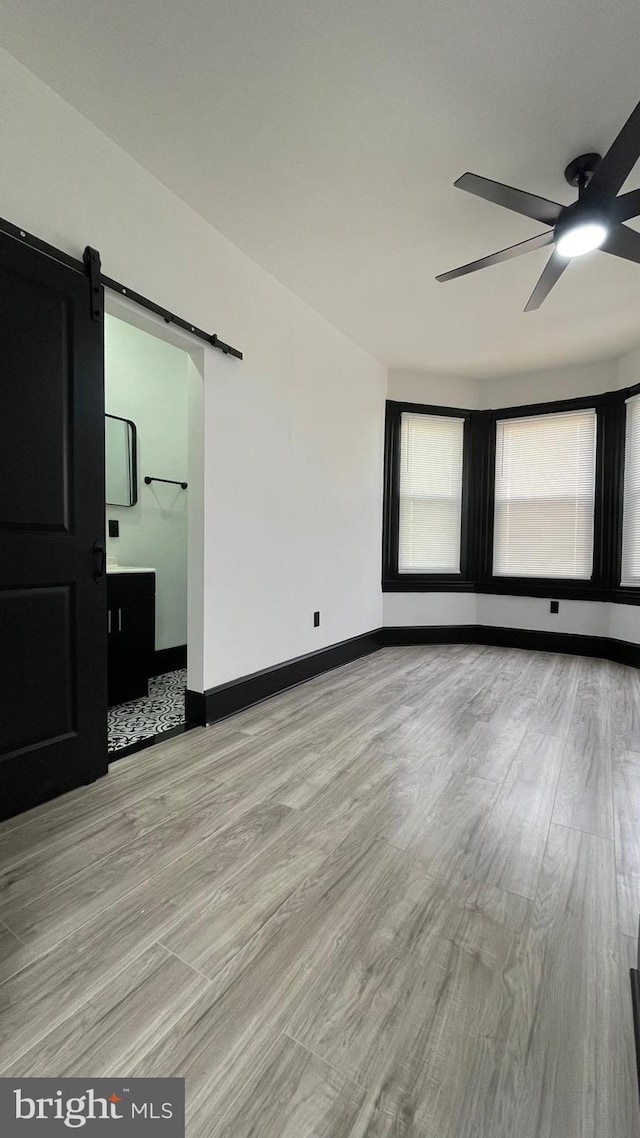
91,259
90,266
168,317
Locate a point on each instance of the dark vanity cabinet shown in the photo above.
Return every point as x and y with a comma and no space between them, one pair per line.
131,634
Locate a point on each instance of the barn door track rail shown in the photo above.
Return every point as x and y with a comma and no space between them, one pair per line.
91,266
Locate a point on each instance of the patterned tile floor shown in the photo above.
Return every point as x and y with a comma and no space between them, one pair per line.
139,719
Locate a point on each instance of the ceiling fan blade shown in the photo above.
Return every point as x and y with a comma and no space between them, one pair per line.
520,201
623,242
626,206
537,242
553,269
613,170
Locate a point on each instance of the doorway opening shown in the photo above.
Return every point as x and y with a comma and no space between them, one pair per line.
148,403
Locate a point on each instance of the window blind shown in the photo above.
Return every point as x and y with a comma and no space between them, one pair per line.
631,501
430,493
544,495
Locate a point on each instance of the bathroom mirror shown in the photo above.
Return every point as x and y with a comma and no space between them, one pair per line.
121,467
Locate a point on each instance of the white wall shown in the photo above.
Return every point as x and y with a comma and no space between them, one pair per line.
292,436
591,378
146,381
556,383
301,529
406,609
440,390
589,618
624,623
629,369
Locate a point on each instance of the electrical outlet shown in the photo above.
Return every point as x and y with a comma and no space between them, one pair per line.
114,527
554,606
316,619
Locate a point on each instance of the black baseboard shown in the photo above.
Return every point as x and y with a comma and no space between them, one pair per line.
219,702
635,1004
169,659
402,636
226,699
566,643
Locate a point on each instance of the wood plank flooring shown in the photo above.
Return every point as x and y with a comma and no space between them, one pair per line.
399,901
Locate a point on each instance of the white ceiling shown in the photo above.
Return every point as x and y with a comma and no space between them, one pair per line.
323,138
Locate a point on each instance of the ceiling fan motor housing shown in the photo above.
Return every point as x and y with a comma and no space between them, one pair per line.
575,214
580,171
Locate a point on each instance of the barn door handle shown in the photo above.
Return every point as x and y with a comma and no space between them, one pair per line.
99,559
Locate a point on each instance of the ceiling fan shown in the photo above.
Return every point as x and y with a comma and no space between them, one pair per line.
594,221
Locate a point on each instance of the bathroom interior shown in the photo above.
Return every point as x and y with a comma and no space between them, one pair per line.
146,436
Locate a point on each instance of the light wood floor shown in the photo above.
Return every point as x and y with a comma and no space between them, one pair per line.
400,900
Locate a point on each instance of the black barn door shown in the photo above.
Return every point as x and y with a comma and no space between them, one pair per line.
52,586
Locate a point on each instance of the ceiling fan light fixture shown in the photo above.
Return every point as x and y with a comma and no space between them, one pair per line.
580,239
595,220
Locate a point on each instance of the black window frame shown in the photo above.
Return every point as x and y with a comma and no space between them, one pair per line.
392,579
625,594
478,504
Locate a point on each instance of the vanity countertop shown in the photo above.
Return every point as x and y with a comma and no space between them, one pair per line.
128,569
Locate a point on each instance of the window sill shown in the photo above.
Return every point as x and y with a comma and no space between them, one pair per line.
625,595
423,583
543,588
560,589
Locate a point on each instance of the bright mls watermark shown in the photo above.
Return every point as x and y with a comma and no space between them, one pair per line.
136,1107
